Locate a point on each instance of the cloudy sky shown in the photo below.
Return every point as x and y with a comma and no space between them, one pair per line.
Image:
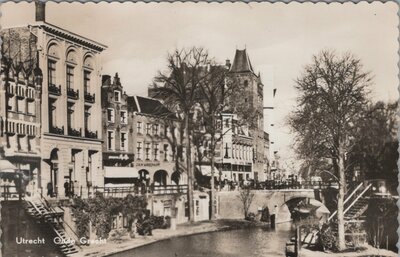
280,39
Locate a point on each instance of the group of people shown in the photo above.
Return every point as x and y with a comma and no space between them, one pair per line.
68,189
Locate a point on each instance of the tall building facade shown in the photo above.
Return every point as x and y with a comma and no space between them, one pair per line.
141,139
252,138
70,136
20,100
159,155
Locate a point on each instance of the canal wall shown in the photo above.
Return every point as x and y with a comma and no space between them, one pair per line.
229,205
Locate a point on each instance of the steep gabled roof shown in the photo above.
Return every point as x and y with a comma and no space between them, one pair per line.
153,107
241,62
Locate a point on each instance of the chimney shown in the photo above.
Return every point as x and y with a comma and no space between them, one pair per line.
40,9
228,63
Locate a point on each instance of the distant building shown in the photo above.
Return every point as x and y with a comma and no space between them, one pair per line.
157,144
117,124
236,158
70,135
242,71
142,139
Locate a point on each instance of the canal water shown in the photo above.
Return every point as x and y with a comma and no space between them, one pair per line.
253,242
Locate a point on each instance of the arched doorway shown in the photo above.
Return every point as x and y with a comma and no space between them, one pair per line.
160,178
144,177
52,186
176,177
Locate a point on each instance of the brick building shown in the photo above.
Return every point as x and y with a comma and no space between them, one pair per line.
159,157
70,138
117,120
141,139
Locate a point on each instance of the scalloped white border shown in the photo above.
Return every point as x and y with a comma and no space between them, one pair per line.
248,1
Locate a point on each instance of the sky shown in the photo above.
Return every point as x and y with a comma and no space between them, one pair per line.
280,39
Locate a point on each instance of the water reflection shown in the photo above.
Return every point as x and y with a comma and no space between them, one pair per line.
255,242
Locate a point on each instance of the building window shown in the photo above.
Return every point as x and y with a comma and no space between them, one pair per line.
86,81
117,96
87,117
31,108
110,140
110,115
70,112
52,113
155,129
124,117
148,151
156,151
139,150
139,127
166,152
21,105
51,72
124,140
70,77
148,128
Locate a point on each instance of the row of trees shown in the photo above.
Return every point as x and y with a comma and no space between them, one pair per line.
199,90
338,128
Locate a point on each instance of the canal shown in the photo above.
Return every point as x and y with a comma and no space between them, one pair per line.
255,242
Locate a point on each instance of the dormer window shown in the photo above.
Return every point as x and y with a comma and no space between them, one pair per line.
117,96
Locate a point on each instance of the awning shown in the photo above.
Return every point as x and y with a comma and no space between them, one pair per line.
7,167
121,172
206,170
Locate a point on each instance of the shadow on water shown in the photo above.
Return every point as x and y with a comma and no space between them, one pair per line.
16,224
255,242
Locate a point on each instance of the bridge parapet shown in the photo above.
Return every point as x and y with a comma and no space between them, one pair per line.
231,207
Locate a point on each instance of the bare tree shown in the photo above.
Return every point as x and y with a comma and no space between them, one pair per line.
246,196
332,93
177,88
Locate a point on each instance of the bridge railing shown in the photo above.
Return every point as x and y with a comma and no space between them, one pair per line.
290,184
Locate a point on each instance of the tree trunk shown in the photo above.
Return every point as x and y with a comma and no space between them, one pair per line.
189,171
340,206
212,196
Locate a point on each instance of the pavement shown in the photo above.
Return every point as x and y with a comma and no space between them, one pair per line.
369,251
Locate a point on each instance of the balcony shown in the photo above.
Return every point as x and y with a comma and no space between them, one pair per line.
56,130
73,94
54,90
89,98
90,134
74,132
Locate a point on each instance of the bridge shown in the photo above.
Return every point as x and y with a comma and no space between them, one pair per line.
278,201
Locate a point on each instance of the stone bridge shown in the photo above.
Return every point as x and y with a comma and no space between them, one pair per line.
279,202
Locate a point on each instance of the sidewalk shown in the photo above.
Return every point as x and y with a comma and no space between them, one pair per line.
185,229
370,251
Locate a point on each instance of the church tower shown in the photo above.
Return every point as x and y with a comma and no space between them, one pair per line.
241,71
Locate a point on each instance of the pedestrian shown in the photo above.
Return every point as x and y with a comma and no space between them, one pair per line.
66,189
50,189
71,188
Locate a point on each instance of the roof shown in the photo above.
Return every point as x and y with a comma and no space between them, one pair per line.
153,107
70,35
241,62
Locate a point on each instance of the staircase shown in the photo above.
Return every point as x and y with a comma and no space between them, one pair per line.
355,203
42,212
357,209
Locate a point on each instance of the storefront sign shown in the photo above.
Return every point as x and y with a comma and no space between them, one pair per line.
147,164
